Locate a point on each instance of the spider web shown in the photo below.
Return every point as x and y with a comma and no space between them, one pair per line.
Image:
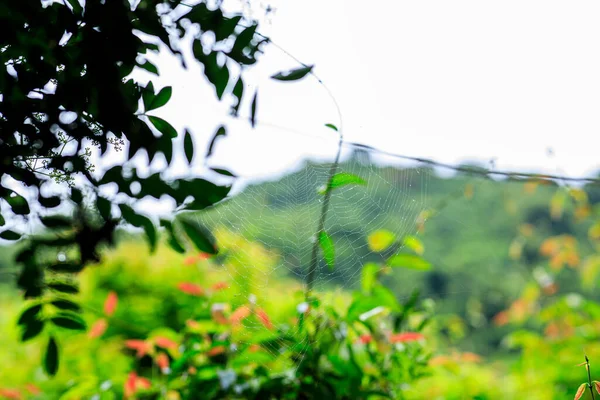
282,216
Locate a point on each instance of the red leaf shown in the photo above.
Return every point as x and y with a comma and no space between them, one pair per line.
406,337
129,389
141,346
162,360
580,391
191,289
110,304
98,328
364,339
10,394
264,318
165,343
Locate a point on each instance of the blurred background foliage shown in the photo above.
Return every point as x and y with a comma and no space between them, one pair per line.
509,303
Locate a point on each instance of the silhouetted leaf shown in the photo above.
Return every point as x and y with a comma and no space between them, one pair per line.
10,235
17,203
200,237
69,321
30,315
328,248
294,74
163,126
140,221
104,207
253,110
220,132
51,357
49,202
188,145
63,287
56,221
66,267
171,236
223,172
32,329
65,305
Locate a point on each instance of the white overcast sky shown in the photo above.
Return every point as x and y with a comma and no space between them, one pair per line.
450,80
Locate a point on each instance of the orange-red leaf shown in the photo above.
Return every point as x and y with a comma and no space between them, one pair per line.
129,388
162,360
264,318
220,286
110,304
191,289
165,343
366,338
580,391
596,386
98,328
406,337
141,346
33,389
239,314
10,394
216,351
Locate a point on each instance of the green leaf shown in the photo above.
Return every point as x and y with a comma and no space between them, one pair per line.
414,244
163,126
2,220
199,236
30,315
65,305
51,357
18,204
188,146
140,221
76,196
410,261
369,276
220,132
148,66
148,95
343,179
69,321
381,240
32,329
294,74
253,110
77,9
56,221
160,99
63,287
332,126
328,248
10,235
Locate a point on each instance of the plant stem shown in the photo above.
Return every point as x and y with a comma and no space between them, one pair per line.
314,261
590,386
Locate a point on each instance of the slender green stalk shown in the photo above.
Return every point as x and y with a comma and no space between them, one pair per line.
314,261
590,386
